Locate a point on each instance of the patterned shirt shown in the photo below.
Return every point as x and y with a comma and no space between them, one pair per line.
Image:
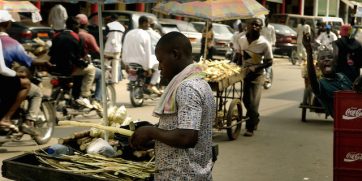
195,110
14,51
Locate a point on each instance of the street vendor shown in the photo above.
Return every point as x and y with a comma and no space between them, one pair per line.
330,80
186,110
256,54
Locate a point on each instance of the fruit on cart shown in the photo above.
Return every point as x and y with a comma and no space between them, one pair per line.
219,69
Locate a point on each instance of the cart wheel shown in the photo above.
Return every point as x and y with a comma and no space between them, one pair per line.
234,117
306,101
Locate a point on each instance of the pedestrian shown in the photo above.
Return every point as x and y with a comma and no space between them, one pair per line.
137,48
155,37
207,42
57,17
302,29
256,53
183,149
113,46
349,54
234,40
327,37
330,81
268,32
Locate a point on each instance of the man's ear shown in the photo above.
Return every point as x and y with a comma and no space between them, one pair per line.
176,53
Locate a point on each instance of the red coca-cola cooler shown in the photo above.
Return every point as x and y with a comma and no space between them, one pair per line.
347,136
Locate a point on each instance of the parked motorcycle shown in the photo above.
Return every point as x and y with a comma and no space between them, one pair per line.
43,124
137,89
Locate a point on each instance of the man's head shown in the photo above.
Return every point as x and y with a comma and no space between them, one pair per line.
327,60
240,27
174,53
72,24
345,30
254,27
266,21
302,21
5,20
143,22
83,20
328,28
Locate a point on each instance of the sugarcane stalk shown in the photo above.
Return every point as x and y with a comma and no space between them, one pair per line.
121,131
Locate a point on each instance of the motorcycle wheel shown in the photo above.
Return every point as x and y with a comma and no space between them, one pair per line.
136,96
45,123
293,57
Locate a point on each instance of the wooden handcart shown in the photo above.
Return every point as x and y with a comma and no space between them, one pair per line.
229,111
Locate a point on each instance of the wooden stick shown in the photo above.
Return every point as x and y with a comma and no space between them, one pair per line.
121,131
66,139
81,134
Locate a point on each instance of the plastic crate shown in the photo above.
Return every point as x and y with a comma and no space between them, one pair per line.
348,110
347,175
348,150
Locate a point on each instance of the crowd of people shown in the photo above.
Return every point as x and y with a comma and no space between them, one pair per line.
186,107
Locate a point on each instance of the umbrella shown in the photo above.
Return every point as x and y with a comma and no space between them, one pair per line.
18,6
101,44
214,10
15,7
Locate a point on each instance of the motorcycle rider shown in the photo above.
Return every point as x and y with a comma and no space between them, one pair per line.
66,53
14,54
91,47
268,32
137,49
327,37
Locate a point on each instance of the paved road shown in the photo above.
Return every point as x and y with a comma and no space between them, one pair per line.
283,148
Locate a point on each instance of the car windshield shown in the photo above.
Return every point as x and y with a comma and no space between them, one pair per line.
220,29
282,29
186,27
169,28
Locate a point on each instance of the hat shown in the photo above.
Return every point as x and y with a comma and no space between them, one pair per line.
83,19
345,30
328,27
5,16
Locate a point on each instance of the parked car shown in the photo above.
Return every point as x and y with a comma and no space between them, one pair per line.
128,18
168,27
189,31
286,41
222,35
292,20
25,30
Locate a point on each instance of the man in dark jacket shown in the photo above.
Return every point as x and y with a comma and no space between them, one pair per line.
67,54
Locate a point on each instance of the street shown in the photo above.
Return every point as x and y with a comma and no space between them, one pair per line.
282,149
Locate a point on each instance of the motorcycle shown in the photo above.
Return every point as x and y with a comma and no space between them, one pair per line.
63,96
137,89
43,124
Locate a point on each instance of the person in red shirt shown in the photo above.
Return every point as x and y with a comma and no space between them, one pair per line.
90,43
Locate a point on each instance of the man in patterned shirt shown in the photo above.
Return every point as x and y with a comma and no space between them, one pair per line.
186,111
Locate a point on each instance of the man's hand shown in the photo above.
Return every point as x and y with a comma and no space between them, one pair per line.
141,137
251,68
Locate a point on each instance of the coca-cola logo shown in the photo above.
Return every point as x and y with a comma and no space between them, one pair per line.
352,113
352,157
